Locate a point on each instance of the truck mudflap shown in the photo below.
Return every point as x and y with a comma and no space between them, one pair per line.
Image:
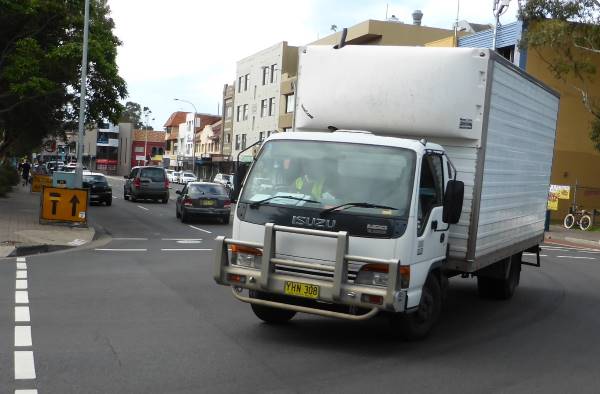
339,290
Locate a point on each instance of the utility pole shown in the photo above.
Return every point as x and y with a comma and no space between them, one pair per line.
79,167
500,8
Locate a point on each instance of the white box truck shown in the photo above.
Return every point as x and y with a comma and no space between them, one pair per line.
407,166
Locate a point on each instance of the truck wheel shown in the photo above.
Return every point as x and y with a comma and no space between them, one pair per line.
270,315
569,221
416,325
501,289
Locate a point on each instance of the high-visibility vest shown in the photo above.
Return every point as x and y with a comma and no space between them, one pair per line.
315,191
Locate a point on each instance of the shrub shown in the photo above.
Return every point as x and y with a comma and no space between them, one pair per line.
8,178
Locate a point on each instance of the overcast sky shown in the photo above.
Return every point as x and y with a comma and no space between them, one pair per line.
188,48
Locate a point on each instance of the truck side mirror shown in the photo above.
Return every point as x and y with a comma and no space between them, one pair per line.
453,201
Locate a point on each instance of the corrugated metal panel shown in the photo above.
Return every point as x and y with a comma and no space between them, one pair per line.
508,34
518,160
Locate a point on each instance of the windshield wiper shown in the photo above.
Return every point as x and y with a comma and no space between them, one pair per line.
256,204
355,204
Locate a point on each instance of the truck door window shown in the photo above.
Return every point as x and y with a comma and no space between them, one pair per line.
431,189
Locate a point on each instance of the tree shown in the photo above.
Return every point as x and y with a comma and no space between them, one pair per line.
566,35
40,70
132,113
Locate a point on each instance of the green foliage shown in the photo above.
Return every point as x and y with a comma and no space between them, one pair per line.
595,134
40,66
8,178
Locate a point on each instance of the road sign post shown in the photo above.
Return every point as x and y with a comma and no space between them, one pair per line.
64,206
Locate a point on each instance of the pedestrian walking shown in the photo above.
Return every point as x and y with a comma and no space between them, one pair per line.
25,172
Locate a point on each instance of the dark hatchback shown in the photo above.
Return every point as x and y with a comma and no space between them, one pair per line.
100,190
203,199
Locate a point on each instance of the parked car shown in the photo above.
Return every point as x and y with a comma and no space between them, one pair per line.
175,176
170,175
54,165
71,167
187,177
146,182
100,190
224,179
203,199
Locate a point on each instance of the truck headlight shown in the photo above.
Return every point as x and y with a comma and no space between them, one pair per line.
373,275
245,256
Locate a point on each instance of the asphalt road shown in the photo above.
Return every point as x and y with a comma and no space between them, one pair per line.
138,312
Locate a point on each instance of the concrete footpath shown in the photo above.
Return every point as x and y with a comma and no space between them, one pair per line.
573,237
22,234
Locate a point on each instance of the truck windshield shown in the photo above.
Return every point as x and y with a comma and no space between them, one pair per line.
328,174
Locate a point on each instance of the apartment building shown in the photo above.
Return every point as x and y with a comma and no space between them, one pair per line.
228,119
171,127
257,96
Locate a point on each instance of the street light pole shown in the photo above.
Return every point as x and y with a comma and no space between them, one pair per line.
79,167
193,134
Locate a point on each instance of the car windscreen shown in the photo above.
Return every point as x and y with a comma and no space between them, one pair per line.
94,179
331,174
154,174
200,190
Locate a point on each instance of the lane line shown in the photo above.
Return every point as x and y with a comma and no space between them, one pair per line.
533,254
200,229
21,274
22,314
116,198
120,250
561,247
20,259
32,391
572,250
129,239
21,284
144,208
181,239
21,297
176,250
576,257
24,365
22,336
21,266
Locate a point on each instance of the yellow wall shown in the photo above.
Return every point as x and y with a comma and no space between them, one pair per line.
444,42
575,159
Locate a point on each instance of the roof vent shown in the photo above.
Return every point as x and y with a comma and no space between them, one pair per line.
394,19
417,17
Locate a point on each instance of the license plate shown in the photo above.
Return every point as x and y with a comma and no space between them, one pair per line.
301,290
94,196
207,203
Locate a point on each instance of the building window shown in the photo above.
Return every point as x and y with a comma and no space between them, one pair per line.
139,149
261,135
228,138
246,81
263,108
240,84
239,111
273,72
228,110
290,102
271,106
265,75
237,142
243,141
245,111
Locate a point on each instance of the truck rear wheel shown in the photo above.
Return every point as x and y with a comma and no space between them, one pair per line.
268,314
501,289
416,325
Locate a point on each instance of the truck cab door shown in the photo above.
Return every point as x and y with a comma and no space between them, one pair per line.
432,232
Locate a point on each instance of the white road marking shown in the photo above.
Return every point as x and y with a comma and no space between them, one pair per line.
24,365
533,254
571,248
129,239
21,284
188,241
181,239
121,250
22,314
144,208
22,336
21,274
116,198
20,259
183,250
32,391
200,229
576,257
21,297
77,242
21,266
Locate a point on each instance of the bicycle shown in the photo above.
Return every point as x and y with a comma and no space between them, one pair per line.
580,217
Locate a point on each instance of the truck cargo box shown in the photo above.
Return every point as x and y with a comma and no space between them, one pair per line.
497,124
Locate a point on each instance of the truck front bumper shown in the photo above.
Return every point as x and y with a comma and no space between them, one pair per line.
338,291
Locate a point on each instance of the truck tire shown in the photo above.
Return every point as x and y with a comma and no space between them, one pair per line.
270,315
501,289
417,325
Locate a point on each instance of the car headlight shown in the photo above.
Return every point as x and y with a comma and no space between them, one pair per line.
373,275
245,256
